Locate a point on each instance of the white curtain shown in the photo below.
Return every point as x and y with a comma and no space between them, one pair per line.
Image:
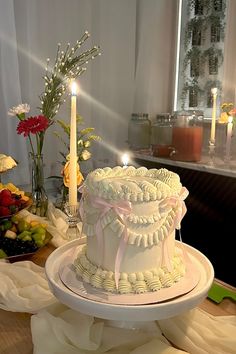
10,94
155,56
134,73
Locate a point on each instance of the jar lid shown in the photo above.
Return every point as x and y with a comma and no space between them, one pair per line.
139,116
191,112
164,117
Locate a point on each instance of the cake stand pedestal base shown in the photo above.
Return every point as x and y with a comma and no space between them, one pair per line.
149,327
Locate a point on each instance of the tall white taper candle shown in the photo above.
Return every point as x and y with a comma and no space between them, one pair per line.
213,121
228,137
73,149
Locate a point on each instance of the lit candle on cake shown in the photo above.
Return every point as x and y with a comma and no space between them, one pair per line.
228,137
125,160
213,121
73,149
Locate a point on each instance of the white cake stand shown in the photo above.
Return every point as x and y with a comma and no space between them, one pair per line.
129,313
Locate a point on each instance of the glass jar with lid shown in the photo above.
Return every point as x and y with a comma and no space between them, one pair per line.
187,136
161,136
139,131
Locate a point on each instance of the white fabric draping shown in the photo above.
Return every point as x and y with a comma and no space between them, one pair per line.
23,288
134,73
70,332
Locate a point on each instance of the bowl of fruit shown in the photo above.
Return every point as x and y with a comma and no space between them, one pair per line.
20,238
12,200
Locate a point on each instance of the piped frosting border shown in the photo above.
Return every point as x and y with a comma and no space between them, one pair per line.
139,282
161,184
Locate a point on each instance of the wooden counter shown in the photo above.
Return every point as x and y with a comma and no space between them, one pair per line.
15,334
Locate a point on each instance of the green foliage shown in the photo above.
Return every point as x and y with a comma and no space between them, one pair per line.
84,138
215,58
195,24
85,131
191,84
213,51
193,57
209,6
205,17
68,65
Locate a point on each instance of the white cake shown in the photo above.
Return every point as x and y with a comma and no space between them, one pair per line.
129,216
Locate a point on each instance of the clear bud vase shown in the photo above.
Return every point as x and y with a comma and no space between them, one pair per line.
39,197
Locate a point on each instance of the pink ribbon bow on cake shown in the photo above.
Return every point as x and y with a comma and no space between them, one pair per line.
176,202
122,209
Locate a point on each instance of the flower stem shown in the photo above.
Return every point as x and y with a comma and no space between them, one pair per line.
31,144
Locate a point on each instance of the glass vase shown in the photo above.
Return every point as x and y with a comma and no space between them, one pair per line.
61,201
39,197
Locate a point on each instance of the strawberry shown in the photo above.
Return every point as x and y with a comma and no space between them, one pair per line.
4,211
6,201
5,193
6,198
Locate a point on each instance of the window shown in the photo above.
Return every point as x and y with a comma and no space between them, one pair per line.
201,53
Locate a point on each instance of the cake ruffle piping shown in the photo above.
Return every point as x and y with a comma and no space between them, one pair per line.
145,240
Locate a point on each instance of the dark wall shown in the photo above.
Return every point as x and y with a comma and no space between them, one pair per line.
210,222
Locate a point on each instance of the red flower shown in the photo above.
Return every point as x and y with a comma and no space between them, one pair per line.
33,125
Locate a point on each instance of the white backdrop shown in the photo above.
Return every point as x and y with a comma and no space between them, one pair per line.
134,73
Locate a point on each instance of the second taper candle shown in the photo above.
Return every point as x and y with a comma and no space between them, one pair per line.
213,121
73,148
228,137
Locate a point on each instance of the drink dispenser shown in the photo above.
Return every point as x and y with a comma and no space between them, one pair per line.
187,136
161,137
139,131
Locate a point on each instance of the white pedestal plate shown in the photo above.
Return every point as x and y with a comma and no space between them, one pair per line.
129,316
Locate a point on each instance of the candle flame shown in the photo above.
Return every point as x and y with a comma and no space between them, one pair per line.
214,91
73,88
230,119
125,159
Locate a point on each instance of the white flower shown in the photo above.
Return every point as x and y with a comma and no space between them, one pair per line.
80,142
85,155
87,144
21,108
6,163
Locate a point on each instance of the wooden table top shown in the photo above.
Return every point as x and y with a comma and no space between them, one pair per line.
15,334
